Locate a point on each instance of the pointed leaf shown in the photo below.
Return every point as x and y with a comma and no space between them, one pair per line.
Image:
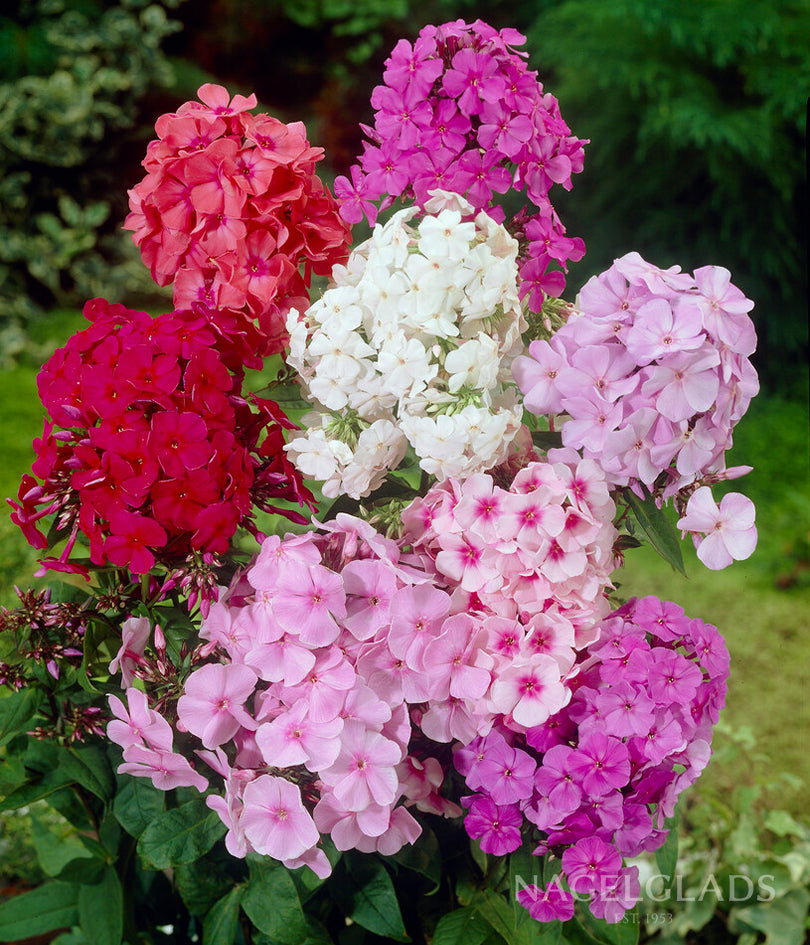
89,767
367,896
17,712
48,907
101,910
462,927
221,924
658,528
181,835
137,804
271,903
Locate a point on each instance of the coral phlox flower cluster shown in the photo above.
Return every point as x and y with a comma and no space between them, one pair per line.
150,449
231,210
458,110
536,556
412,345
599,777
651,375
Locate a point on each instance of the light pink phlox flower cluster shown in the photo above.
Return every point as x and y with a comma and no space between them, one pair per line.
599,777
314,655
536,556
459,111
231,207
652,374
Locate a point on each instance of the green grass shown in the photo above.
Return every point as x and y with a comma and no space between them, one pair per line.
762,606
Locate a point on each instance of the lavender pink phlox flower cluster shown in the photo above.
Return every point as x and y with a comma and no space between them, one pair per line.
598,779
150,449
459,110
412,345
651,374
231,209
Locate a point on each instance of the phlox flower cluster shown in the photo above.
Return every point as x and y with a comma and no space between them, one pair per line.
534,554
231,210
412,345
299,709
458,110
150,449
598,779
650,375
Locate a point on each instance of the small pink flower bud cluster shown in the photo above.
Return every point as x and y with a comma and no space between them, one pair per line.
230,209
599,777
151,449
652,374
459,111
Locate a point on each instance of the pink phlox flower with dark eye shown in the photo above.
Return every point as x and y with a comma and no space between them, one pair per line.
659,330
457,658
365,770
729,532
506,131
325,685
370,586
590,863
412,67
665,737
466,560
212,705
601,764
624,710
308,601
179,440
496,827
354,204
417,614
672,679
275,820
452,720
507,775
557,780
530,690
552,904
294,739
536,375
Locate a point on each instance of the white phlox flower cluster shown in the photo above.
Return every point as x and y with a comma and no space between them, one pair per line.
412,345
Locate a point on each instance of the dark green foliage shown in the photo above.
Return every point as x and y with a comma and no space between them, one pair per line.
696,114
72,75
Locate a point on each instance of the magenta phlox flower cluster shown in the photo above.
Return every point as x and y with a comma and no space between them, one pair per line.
599,777
535,558
459,111
231,209
651,375
150,449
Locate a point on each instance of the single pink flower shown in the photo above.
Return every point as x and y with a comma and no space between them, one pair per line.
728,529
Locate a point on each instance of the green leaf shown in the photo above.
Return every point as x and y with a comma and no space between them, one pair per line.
784,920
366,894
221,924
201,889
16,713
497,912
616,933
137,804
48,907
89,767
181,835
271,903
547,439
56,850
657,527
101,910
36,790
462,927
666,856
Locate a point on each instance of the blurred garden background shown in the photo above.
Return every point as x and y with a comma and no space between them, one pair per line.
696,111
